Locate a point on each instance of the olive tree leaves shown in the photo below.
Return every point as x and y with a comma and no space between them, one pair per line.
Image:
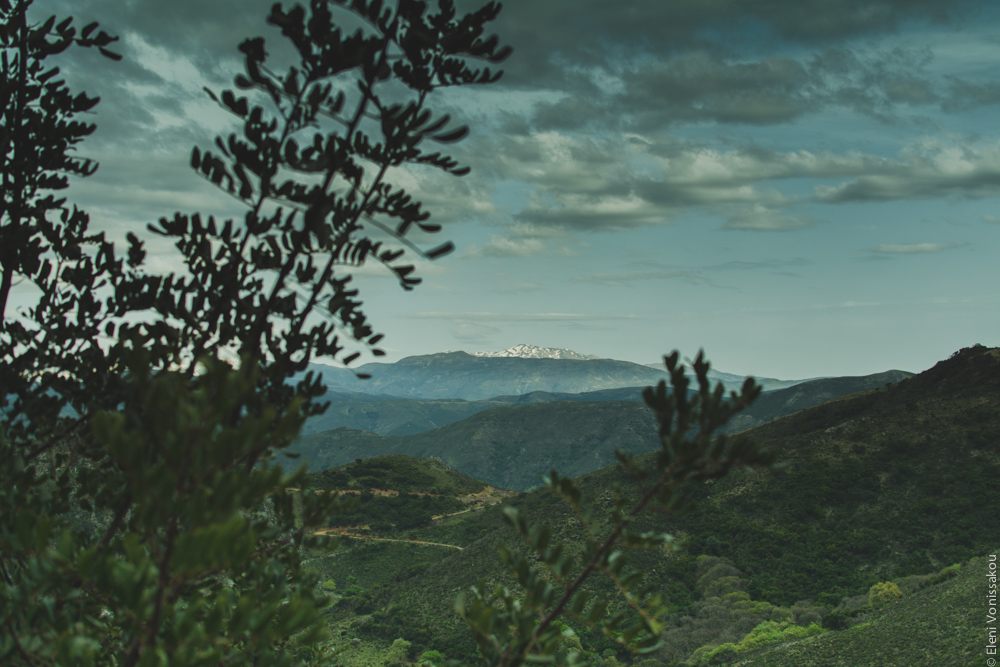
312,170
50,350
152,526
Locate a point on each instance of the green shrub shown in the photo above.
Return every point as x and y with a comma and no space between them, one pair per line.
722,654
399,652
883,593
770,632
431,658
946,573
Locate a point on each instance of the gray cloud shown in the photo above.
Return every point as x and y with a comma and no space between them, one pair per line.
701,86
588,33
703,61
690,275
498,246
914,248
625,278
964,95
916,184
518,317
760,218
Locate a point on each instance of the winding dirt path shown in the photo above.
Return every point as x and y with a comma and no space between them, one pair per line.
373,538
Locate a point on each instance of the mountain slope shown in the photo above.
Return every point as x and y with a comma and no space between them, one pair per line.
775,404
514,446
509,447
941,626
889,483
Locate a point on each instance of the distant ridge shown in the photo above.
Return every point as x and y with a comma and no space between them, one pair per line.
525,351
511,441
462,375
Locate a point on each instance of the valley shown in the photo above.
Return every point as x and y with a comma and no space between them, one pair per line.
893,483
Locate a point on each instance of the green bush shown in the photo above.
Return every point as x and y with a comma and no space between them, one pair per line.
432,658
722,654
883,593
946,573
771,632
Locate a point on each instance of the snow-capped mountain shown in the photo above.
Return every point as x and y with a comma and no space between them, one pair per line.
524,351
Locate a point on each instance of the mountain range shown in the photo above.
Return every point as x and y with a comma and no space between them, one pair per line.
525,351
482,376
891,484
512,441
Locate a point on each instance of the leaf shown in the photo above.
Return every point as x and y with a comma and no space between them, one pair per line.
453,136
440,251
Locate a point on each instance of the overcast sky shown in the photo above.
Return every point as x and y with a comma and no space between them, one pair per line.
801,187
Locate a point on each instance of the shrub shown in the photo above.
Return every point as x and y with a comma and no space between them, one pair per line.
883,593
946,573
770,632
431,658
722,654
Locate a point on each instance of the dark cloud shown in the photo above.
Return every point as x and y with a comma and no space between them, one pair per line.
964,95
590,33
918,181
700,86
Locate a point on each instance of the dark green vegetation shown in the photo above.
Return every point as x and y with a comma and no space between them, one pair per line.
941,625
774,404
390,415
885,485
510,447
192,550
413,491
404,474
513,446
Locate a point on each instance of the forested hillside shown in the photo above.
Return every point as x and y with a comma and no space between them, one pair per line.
513,441
879,486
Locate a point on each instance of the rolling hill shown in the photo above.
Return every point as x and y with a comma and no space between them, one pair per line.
879,486
511,441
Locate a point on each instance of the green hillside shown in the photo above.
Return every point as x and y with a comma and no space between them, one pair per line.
879,486
404,474
776,404
509,447
391,415
942,625
514,446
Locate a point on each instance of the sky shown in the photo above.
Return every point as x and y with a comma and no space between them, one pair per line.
801,188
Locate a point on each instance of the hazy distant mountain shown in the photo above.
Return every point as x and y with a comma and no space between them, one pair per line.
734,382
392,415
519,370
462,375
523,351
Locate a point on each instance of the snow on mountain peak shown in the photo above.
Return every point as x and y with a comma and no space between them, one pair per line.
534,352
